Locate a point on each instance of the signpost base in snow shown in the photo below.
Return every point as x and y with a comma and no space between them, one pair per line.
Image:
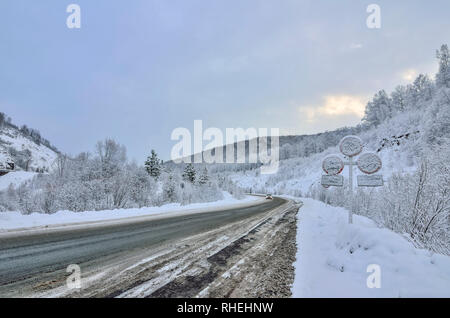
350,165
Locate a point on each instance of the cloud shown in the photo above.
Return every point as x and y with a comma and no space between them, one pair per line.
354,46
334,106
409,74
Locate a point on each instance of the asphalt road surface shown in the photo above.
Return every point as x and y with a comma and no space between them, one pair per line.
32,255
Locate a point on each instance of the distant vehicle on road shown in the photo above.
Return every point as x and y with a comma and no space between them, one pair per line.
269,197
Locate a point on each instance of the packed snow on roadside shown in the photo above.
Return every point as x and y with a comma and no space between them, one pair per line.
15,178
333,258
16,220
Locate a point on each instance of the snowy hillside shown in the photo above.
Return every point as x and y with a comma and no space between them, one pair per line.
296,176
26,153
15,179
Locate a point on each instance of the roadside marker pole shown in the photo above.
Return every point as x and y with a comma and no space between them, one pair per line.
350,165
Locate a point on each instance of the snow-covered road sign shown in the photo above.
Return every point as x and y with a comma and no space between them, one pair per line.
373,180
351,146
369,163
332,165
332,180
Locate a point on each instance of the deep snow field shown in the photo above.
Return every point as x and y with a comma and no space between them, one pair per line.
333,257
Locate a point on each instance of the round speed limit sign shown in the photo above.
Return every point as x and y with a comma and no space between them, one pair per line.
332,165
369,163
351,146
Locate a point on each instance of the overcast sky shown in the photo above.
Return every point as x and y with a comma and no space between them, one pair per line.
138,69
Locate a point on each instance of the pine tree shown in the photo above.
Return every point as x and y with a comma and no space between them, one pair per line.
443,75
189,173
204,178
169,189
2,119
153,165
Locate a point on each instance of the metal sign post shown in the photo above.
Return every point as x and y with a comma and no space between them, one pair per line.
350,165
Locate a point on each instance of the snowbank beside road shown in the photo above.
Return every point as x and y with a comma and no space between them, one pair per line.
333,257
16,220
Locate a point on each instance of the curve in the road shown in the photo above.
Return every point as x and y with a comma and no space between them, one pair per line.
30,255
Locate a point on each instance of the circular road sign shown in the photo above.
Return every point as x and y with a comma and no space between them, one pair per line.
332,165
369,163
351,146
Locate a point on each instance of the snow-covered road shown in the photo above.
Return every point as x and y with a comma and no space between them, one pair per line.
138,256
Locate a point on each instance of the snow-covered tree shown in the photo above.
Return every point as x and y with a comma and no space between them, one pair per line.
203,178
438,124
420,92
112,156
443,75
169,189
141,187
25,130
189,173
2,119
26,158
153,165
379,109
399,99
